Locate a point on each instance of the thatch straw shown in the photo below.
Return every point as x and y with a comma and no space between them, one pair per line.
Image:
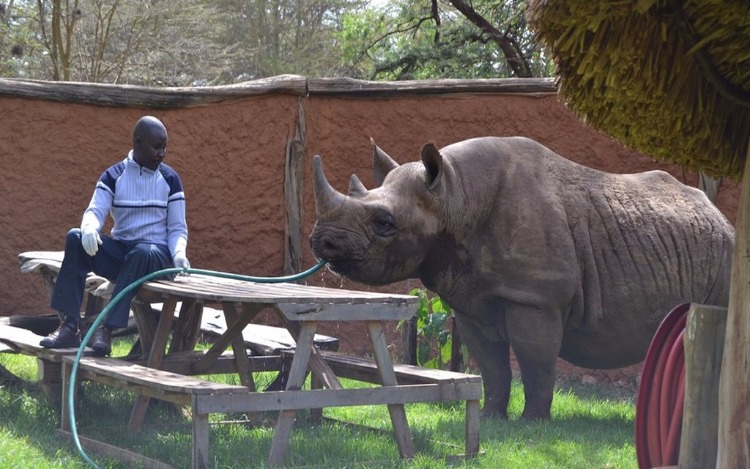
633,69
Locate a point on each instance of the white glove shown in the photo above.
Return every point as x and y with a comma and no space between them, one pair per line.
181,262
90,240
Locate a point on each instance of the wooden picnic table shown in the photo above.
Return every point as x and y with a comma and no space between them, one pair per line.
302,308
168,374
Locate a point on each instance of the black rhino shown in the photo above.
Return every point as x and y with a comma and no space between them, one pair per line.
532,251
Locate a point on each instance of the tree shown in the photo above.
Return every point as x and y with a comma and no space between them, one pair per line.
272,37
419,39
201,42
19,45
148,42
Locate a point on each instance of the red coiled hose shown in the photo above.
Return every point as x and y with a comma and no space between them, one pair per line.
661,394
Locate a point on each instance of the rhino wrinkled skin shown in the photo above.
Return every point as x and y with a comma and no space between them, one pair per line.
532,251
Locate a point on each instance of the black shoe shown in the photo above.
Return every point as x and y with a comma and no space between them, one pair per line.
64,337
102,342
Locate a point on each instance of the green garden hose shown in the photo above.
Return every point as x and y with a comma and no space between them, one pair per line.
136,284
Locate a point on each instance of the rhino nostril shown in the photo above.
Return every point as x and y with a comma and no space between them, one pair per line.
328,246
324,246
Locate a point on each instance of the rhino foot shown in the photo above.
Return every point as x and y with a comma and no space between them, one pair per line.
538,411
492,411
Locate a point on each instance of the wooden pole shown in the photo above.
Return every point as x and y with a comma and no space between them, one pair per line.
704,347
293,176
734,386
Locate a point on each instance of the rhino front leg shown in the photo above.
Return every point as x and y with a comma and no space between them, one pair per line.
536,338
493,358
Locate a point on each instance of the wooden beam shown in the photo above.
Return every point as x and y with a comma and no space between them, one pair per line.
349,87
734,386
704,347
293,184
128,457
100,94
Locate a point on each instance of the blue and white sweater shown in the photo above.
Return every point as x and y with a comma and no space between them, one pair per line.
146,205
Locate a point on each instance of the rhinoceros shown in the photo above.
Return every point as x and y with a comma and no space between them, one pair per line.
533,252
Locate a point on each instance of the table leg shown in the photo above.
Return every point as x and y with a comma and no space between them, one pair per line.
187,326
138,414
388,376
146,320
200,432
234,329
317,363
239,348
297,375
472,428
66,370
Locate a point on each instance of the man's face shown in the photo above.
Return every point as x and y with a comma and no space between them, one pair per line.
151,148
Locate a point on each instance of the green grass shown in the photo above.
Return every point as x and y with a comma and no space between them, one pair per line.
591,427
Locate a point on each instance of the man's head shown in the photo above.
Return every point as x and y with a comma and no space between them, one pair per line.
149,142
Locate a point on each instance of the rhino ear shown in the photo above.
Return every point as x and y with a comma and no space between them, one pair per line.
356,188
382,164
433,164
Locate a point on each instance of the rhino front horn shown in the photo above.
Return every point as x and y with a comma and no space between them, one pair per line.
326,197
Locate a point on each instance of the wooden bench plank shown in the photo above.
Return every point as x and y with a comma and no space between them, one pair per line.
320,398
184,363
47,263
26,342
261,339
158,379
364,369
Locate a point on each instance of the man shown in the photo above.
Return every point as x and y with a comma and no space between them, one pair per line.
146,201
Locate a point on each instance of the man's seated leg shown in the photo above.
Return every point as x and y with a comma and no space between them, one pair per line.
141,260
67,295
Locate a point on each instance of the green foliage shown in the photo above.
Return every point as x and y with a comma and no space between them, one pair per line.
20,48
286,36
434,341
404,40
210,42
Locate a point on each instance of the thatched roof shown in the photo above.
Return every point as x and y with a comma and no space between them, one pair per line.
669,78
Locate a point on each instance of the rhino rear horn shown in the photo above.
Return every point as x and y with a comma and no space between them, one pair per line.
356,188
326,197
382,164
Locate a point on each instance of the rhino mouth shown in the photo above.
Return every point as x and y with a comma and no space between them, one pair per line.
344,267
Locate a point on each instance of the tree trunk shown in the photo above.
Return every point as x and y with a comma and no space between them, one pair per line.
734,386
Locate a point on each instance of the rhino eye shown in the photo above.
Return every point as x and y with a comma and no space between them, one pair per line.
383,224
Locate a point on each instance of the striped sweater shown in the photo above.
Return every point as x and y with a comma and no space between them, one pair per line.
145,205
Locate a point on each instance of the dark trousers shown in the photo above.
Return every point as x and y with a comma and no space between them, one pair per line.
120,262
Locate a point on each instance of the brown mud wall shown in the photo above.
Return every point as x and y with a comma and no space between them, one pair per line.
231,157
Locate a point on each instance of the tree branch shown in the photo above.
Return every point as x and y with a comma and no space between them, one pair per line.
513,56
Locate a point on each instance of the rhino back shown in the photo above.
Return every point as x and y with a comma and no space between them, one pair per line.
611,253
646,242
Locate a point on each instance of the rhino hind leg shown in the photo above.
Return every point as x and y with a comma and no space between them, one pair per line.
493,358
536,338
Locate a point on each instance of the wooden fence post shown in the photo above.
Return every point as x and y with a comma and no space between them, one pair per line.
704,348
293,175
